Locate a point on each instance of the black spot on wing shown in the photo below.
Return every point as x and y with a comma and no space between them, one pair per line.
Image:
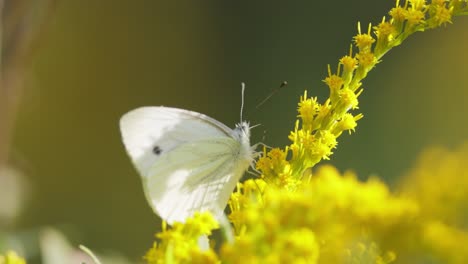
157,150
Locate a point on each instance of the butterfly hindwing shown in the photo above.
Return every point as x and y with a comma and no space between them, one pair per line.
188,161
193,177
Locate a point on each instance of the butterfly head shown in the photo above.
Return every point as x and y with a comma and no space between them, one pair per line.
242,134
242,131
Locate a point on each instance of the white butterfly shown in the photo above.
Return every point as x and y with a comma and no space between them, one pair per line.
188,161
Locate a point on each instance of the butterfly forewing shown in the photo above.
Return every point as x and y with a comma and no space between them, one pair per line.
147,129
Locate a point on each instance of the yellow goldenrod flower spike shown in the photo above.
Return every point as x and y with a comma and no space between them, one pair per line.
345,85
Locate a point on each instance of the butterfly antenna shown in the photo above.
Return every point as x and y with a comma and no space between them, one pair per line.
242,102
283,84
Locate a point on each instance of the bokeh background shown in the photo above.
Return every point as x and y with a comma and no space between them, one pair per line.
97,60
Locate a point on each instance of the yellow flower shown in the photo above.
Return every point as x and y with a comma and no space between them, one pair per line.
315,134
440,15
348,122
398,14
335,83
248,191
447,243
308,109
348,101
417,4
330,208
386,33
11,258
414,17
180,243
439,183
366,59
363,41
349,65
367,253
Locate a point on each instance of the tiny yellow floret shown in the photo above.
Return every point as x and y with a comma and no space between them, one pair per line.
364,42
349,63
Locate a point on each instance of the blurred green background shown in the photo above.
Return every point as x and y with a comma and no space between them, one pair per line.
100,59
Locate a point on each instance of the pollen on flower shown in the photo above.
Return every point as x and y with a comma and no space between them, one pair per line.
273,163
202,257
235,201
398,13
440,15
323,151
367,252
348,101
418,4
363,42
264,163
253,187
366,59
248,192
179,244
327,138
385,30
323,148
293,134
323,114
334,82
201,224
297,246
414,17
348,122
304,139
308,109
277,155
349,63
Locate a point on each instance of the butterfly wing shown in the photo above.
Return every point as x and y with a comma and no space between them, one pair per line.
188,161
147,130
197,176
